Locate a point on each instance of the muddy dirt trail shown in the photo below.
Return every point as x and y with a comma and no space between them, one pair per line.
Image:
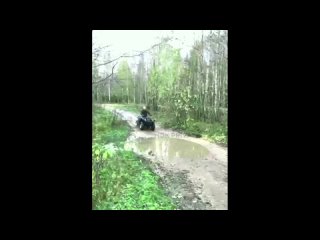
193,171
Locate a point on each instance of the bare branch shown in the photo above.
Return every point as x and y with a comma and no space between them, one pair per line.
139,54
98,65
100,81
99,48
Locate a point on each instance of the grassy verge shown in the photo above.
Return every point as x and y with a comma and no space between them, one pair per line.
119,179
216,132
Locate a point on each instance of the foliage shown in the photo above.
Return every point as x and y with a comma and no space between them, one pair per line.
119,179
216,132
187,91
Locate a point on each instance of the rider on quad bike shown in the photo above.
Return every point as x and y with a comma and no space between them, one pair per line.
144,113
144,121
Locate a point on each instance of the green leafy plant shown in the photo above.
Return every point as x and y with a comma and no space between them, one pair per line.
119,179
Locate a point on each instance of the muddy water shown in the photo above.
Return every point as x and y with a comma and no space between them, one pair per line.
188,170
169,149
164,153
194,172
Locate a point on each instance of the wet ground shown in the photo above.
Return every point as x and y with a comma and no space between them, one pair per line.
192,170
169,149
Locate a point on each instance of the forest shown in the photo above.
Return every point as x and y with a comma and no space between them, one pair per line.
185,90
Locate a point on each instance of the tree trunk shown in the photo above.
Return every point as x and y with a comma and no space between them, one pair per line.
134,91
110,88
127,86
122,95
145,89
140,94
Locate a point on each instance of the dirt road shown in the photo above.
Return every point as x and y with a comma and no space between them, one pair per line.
193,171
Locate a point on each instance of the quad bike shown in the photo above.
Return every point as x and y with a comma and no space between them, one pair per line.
145,122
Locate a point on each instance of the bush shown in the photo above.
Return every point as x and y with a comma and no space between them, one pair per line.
119,179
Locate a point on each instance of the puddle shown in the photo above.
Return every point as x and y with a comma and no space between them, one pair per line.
168,148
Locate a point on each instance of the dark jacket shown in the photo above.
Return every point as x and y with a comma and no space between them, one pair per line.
145,112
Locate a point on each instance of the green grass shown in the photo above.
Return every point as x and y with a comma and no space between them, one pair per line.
107,128
120,180
214,132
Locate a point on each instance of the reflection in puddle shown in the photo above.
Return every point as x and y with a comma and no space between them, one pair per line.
168,148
